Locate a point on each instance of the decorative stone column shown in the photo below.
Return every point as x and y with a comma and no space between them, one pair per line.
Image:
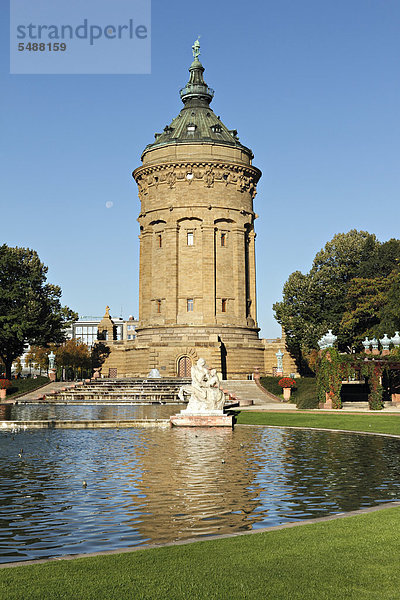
396,399
239,274
375,346
328,402
385,342
252,277
145,274
208,273
171,249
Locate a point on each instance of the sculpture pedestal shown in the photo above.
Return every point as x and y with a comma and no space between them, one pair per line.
211,418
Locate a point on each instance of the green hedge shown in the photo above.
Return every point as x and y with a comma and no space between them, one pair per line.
19,386
304,395
271,384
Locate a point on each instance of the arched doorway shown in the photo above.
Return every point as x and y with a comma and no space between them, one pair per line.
184,366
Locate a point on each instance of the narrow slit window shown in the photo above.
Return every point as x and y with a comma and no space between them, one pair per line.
223,239
158,305
190,238
159,240
190,303
223,305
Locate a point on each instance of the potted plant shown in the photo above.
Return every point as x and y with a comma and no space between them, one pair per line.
287,383
4,385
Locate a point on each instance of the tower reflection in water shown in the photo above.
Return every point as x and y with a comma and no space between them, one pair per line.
205,482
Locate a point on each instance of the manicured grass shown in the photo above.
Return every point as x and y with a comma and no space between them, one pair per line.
304,395
378,423
25,386
355,558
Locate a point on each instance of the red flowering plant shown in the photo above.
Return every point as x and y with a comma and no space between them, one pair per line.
4,384
287,382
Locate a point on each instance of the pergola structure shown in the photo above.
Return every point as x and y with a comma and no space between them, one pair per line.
380,371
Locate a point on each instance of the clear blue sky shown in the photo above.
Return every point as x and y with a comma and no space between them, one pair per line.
312,87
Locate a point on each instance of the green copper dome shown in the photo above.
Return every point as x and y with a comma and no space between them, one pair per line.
197,123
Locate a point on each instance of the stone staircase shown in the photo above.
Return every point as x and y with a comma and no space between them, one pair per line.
363,406
247,392
121,391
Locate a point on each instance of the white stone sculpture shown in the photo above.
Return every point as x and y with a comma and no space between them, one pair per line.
154,374
204,393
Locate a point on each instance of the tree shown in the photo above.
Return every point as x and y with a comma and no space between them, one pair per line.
30,308
381,261
100,352
18,366
318,300
38,357
373,308
74,354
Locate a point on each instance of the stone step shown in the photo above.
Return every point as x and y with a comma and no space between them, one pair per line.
153,381
90,390
248,391
116,397
354,405
130,390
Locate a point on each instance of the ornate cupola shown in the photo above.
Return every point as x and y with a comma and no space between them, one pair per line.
196,123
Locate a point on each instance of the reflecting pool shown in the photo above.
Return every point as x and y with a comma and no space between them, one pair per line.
39,412
160,485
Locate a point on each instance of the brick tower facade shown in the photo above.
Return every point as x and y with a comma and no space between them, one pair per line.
197,278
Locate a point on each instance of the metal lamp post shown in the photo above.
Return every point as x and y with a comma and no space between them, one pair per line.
52,371
279,361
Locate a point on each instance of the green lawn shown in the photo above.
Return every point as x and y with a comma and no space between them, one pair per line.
378,423
25,386
355,558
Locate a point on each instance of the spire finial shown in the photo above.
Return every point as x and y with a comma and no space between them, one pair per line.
196,49
196,89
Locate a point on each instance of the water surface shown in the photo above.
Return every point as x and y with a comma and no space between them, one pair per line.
160,485
39,412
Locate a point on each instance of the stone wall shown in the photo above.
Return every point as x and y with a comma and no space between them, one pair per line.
197,279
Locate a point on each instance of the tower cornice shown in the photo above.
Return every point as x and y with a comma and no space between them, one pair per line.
169,173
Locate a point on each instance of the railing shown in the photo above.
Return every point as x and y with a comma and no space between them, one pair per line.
193,88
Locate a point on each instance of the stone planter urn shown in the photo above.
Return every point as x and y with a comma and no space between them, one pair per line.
287,392
3,394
